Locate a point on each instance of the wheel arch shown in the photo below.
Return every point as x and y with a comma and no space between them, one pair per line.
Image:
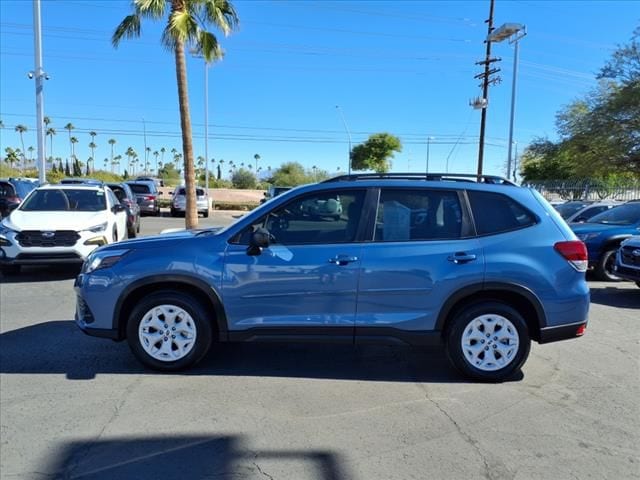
178,283
518,297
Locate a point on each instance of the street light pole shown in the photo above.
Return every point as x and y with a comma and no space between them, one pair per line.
206,126
348,134
428,144
39,77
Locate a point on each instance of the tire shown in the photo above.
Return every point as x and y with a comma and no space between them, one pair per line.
138,227
131,232
193,321
510,343
604,269
205,214
115,234
174,213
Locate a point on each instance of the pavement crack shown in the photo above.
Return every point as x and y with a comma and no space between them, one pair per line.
263,472
83,453
467,438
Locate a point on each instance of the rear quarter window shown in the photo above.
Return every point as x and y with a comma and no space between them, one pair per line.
495,213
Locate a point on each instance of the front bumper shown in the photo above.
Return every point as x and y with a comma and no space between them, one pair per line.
12,253
627,273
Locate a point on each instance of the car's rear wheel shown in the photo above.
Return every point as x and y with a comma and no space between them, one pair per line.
488,341
131,232
205,214
604,269
169,331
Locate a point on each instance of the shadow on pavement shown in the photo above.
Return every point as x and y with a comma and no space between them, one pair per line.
60,347
617,297
185,457
41,274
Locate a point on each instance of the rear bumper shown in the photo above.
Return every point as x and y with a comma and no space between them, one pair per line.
562,332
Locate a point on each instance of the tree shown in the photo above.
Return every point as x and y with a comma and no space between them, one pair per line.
67,171
112,142
186,25
50,133
47,121
376,153
69,126
73,141
155,154
11,156
243,179
290,174
21,129
256,157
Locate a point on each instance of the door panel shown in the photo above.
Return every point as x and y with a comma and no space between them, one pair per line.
291,286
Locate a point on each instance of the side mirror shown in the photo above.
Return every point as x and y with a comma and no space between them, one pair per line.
118,208
259,239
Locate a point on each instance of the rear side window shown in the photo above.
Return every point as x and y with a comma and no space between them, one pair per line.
6,190
495,213
411,215
140,188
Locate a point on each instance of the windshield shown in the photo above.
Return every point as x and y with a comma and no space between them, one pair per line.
62,200
628,214
567,209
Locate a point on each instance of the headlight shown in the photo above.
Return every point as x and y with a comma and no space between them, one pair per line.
587,236
103,259
96,228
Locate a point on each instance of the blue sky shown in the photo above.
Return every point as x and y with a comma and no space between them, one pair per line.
403,67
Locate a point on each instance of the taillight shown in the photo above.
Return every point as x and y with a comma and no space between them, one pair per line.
575,252
150,197
14,199
581,330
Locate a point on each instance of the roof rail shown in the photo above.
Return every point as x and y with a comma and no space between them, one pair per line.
449,177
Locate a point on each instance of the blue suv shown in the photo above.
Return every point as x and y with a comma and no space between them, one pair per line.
483,267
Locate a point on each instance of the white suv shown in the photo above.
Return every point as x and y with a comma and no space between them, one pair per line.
60,224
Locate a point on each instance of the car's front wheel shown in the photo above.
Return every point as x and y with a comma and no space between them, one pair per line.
488,341
169,331
604,269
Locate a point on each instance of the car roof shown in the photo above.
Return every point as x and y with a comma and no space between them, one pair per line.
71,186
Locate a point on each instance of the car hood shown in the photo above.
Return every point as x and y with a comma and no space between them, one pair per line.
581,228
165,240
20,220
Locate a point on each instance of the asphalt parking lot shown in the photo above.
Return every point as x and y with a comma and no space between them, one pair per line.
73,406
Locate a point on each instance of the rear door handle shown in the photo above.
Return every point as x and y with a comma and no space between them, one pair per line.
343,260
461,257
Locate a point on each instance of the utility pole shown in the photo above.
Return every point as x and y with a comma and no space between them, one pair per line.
39,77
486,81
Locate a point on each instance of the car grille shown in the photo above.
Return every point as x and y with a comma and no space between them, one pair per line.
38,238
628,258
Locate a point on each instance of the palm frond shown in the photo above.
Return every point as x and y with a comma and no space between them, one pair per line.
128,28
182,26
153,9
208,46
222,14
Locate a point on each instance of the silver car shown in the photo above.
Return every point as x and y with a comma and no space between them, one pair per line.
179,202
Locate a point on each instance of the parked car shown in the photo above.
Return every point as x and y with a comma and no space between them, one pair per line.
603,235
628,260
13,191
589,211
158,181
60,224
147,195
127,198
80,181
179,201
491,267
569,208
273,192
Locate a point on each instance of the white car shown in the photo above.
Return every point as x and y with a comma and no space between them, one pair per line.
60,224
179,202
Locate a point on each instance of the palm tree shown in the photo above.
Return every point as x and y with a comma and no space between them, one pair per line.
155,154
220,166
93,147
147,151
21,129
73,141
69,126
257,157
50,133
130,153
162,150
116,162
112,142
106,161
30,149
187,22
47,121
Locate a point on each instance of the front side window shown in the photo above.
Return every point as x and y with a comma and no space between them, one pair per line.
319,218
627,214
61,200
495,213
413,215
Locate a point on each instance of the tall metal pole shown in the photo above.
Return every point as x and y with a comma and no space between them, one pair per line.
39,76
146,158
513,105
428,144
348,134
485,91
206,126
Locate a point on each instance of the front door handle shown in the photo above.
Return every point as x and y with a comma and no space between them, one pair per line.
461,257
343,260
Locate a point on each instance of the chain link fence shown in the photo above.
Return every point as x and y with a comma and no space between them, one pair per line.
562,190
